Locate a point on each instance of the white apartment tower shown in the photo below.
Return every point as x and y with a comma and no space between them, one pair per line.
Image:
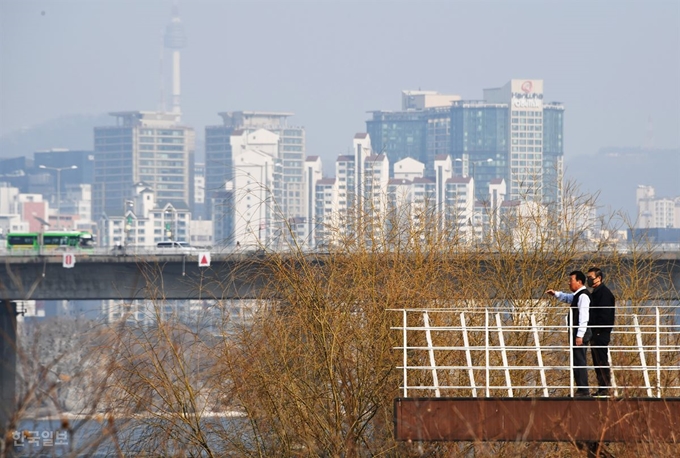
291,153
525,161
289,162
376,177
361,146
352,181
645,196
257,219
460,198
443,171
326,212
656,212
399,218
313,173
345,172
423,199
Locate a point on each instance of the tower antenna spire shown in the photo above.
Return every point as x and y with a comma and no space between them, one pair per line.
175,39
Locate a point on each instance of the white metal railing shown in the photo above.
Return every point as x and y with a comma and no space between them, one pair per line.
457,352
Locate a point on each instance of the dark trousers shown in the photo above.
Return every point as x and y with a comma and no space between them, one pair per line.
580,371
600,353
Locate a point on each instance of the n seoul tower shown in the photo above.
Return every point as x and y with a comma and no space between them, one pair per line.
175,39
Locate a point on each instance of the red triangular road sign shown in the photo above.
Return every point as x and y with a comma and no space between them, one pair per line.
204,259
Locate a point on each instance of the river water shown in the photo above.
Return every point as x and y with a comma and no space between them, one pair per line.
90,438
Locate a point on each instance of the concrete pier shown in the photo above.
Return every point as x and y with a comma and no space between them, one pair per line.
8,342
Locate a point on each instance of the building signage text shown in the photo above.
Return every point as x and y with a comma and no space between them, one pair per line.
532,95
527,103
527,98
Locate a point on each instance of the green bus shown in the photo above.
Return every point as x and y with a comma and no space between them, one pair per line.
75,240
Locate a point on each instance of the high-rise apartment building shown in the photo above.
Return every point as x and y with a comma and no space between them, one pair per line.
351,181
399,216
531,172
459,205
313,173
257,221
645,196
656,212
374,211
365,204
144,147
291,155
198,209
346,178
326,212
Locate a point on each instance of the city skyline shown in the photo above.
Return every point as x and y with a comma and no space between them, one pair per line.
330,77
600,90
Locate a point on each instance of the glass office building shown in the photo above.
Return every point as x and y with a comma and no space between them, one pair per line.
419,131
479,132
553,152
510,134
399,134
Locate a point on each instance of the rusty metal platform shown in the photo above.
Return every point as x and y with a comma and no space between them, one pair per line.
538,419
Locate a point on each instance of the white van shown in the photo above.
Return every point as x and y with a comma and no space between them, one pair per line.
171,246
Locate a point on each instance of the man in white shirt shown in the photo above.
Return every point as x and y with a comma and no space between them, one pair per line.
579,298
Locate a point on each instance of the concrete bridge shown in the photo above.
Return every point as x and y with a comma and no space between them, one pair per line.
176,276
149,276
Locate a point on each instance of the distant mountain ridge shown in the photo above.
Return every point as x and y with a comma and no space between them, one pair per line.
616,173
73,132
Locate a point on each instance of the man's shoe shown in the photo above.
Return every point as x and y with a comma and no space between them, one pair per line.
582,394
601,394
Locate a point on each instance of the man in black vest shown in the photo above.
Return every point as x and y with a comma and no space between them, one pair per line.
580,309
602,311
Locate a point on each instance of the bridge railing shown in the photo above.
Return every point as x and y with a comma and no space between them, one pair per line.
111,251
501,353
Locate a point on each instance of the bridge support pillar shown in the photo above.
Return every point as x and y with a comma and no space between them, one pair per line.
8,361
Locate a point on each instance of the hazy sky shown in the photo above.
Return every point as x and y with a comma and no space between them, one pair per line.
614,64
